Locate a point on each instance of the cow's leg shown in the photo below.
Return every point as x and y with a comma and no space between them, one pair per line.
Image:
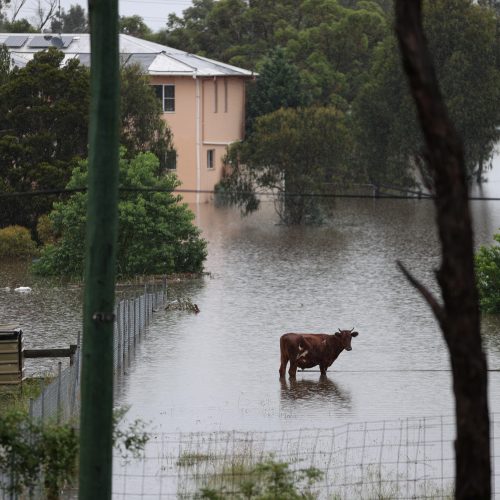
322,369
284,362
293,368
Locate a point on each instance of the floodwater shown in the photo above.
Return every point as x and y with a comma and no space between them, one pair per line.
218,370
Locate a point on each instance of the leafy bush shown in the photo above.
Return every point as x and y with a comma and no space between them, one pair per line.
44,230
16,242
268,480
28,448
488,276
156,233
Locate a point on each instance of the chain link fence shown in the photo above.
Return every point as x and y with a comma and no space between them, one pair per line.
394,459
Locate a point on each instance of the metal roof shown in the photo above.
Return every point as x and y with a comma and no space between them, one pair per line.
153,58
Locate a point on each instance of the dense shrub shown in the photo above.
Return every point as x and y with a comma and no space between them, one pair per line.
16,242
44,230
156,234
488,276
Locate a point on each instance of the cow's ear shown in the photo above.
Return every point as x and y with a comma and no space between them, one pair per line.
354,334
338,334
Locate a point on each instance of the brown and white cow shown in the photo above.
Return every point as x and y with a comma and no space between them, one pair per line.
305,350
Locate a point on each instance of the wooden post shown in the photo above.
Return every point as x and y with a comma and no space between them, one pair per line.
99,294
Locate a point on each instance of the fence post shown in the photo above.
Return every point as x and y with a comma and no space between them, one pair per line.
42,391
59,372
128,329
119,333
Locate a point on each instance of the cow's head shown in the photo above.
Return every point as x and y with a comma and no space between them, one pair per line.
345,337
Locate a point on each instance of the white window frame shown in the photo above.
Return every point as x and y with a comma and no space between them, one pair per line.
166,99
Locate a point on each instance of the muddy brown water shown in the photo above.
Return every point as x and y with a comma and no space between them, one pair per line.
218,370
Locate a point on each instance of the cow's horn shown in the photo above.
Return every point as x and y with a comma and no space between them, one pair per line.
352,329
340,330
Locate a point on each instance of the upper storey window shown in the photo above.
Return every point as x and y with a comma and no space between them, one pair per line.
166,94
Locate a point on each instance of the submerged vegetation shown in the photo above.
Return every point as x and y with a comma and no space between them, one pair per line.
156,231
16,243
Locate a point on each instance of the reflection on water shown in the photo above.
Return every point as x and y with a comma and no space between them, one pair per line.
322,390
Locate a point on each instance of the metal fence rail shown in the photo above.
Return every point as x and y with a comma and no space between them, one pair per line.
399,459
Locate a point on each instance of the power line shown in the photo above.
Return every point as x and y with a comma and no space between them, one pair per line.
415,195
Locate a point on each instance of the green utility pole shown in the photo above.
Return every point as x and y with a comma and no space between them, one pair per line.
99,296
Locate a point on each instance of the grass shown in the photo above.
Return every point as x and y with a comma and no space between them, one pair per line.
17,397
241,476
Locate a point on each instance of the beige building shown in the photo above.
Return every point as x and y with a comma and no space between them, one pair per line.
203,101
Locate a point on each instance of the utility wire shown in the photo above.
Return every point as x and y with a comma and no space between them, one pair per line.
410,195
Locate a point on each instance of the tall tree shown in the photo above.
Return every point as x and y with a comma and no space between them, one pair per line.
297,154
143,128
43,121
135,26
44,129
463,37
458,316
278,86
73,21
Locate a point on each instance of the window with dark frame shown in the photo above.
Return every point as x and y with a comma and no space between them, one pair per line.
166,94
169,161
210,159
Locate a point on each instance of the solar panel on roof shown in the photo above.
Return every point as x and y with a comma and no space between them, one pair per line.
143,60
45,41
15,41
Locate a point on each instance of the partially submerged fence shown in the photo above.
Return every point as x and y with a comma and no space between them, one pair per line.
60,400
397,459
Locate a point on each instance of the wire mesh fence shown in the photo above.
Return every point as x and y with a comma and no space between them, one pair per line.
132,316
399,459
59,400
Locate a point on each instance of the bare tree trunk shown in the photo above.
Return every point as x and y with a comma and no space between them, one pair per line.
459,315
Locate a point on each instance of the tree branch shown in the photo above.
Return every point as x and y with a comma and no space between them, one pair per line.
434,304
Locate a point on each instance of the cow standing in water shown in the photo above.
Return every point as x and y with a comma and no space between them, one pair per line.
305,350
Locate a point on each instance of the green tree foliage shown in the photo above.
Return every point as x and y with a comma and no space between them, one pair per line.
73,21
28,449
156,232
43,128
17,26
278,86
135,26
143,128
488,276
4,64
330,44
463,38
294,152
44,111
